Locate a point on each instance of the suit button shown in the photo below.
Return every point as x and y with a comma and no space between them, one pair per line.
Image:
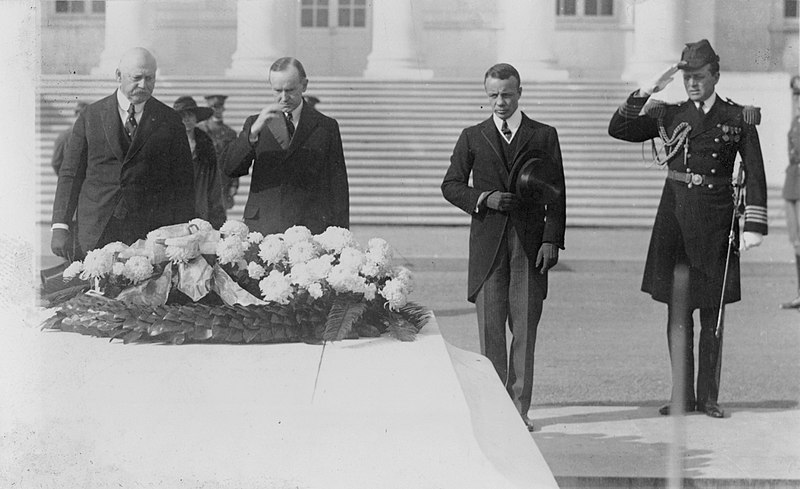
714,155
713,170
710,185
688,155
716,140
688,170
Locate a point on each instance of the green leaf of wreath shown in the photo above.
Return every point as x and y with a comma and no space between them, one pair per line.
341,318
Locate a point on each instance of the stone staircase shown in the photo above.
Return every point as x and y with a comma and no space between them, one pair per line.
398,137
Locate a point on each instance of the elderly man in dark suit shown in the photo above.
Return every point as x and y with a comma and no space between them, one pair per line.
689,247
515,235
127,169
299,175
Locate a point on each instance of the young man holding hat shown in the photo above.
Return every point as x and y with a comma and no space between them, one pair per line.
221,134
518,208
689,255
208,198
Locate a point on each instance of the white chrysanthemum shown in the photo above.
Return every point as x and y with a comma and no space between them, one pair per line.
296,234
202,226
301,252
344,279
272,249
315,290
118,268
314,270
395,294
230,249
255,237
255,271
72,270
276,287
369,268
137,269
97,263
182,254
234,228
405,277
369,291
335,239
115,247
351,258
378,258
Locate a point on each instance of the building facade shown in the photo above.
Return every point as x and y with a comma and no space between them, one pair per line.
418,39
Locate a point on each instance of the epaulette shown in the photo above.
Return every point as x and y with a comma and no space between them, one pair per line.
750,113
655,108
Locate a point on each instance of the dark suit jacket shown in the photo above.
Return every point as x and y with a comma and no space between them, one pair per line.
207,185
149,186
477,152
304,185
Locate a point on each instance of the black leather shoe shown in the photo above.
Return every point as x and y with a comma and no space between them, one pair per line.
528,422
792,304
711,409
666,409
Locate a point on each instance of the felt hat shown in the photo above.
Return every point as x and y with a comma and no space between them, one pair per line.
187,104
695,55
536,182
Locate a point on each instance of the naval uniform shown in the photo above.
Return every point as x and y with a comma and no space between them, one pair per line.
693,220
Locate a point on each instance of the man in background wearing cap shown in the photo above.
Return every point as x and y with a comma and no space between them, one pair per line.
299,176
516,230
221,134
688,252
207,189
127,169
61,141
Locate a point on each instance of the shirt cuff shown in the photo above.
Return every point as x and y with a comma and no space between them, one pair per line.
59,225
481,200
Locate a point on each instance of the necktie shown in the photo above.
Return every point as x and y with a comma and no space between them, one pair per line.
700,109
130,123
289,124
506,131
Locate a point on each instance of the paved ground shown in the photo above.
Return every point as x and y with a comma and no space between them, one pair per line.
602,366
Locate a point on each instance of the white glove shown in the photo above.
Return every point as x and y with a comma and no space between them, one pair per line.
750,240
659,83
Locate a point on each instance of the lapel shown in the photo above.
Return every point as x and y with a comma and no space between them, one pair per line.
309,120
112,126
488,130
147,124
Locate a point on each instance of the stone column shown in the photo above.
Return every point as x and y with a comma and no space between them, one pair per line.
263,34
394,52
658,39
526,39
127,26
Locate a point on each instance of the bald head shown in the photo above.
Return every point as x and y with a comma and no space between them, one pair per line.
136,75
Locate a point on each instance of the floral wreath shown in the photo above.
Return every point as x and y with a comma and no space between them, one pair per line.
191,283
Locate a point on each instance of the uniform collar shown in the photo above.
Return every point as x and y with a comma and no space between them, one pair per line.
708,103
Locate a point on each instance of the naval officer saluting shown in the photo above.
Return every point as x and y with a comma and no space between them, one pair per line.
689,249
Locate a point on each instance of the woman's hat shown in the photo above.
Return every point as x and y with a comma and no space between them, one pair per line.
187,104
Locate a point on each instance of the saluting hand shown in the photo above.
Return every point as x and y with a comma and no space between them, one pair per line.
547,257
659,83
502,201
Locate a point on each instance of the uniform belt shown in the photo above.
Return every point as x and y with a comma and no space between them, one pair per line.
696,179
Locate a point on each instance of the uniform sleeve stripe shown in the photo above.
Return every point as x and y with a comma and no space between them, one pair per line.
755,213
